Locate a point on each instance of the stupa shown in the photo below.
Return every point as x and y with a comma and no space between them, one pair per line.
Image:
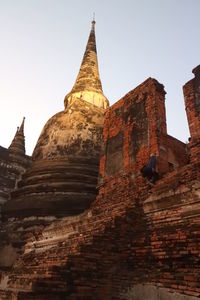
63,176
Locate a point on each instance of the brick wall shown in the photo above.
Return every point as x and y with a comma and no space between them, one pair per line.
133,233
172,154
192,104
11,168
134,128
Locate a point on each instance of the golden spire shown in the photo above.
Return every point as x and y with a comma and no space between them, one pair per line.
88,83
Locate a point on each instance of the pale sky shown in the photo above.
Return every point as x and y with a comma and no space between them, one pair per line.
43,41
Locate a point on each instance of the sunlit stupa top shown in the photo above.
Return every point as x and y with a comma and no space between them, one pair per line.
88,84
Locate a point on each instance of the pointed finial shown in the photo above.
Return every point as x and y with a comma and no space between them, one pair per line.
93,21
88,83
21,129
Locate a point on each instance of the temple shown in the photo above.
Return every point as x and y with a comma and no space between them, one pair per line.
63,175
77,218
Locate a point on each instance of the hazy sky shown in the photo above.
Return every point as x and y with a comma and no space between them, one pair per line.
43,41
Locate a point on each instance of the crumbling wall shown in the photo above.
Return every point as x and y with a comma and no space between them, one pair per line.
6,182
11,168
191,92
132,128
172,154
133,233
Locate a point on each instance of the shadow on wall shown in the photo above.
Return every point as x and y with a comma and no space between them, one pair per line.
150,292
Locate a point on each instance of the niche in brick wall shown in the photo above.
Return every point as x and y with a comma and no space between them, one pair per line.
114,157
139,134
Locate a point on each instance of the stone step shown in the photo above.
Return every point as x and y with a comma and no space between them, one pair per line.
78,168
58,177
52,187
60,204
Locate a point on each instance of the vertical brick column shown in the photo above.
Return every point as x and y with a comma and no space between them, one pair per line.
191,92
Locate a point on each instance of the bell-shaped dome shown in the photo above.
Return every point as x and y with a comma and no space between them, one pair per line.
63,177
75,132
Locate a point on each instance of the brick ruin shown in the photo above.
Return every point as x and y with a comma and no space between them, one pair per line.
13,162
133,240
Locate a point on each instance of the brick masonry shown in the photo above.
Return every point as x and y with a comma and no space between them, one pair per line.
191,92
11,168
133,234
